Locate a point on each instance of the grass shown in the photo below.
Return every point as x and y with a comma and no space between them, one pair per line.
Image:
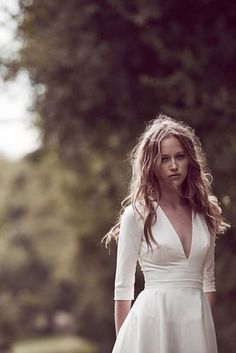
66,344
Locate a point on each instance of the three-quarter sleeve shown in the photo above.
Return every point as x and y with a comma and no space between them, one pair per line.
209,267
129,242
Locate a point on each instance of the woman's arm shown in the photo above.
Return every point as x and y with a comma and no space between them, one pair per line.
129,242
209,285
122,308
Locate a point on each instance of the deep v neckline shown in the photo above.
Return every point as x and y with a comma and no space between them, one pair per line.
177,235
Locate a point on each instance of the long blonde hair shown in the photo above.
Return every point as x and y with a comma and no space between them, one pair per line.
144,186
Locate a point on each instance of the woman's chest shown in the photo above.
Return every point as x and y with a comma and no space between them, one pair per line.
168,248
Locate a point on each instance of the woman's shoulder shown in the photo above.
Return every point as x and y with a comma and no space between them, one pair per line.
137,208
134,212
203,218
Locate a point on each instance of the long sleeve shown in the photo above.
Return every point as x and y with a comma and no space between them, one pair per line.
127,254
209,267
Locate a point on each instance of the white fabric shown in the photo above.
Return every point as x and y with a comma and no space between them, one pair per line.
172,313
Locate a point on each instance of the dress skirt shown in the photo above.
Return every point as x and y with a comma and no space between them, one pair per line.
168,320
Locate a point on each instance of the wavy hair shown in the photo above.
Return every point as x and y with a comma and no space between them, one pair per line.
144,185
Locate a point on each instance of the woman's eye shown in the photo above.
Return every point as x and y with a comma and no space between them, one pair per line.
164,159
180,156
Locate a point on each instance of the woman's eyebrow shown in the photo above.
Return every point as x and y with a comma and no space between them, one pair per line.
167,155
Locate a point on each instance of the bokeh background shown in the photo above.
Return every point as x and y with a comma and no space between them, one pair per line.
97,72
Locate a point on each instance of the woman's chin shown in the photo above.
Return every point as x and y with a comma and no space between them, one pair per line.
172,184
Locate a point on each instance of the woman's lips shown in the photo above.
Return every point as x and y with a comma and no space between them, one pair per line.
174,176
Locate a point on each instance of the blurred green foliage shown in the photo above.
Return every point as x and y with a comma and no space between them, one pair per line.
67,344
38,246
99,71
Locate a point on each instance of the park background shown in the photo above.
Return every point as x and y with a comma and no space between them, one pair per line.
100,70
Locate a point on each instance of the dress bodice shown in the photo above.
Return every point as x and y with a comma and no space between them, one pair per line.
166,261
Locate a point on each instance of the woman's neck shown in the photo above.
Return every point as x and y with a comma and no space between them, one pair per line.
171,198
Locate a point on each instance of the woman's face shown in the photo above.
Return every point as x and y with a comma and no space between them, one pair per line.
174,164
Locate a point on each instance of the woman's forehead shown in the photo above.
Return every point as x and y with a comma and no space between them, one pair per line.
170,144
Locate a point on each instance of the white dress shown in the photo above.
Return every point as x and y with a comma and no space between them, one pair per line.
172,313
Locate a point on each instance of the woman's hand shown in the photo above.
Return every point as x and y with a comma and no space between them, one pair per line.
211,296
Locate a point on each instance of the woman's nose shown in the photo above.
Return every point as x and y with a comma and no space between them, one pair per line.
173,164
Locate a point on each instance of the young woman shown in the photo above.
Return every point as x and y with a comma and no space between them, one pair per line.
169,224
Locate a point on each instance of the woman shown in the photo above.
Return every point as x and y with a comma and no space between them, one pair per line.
169,224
